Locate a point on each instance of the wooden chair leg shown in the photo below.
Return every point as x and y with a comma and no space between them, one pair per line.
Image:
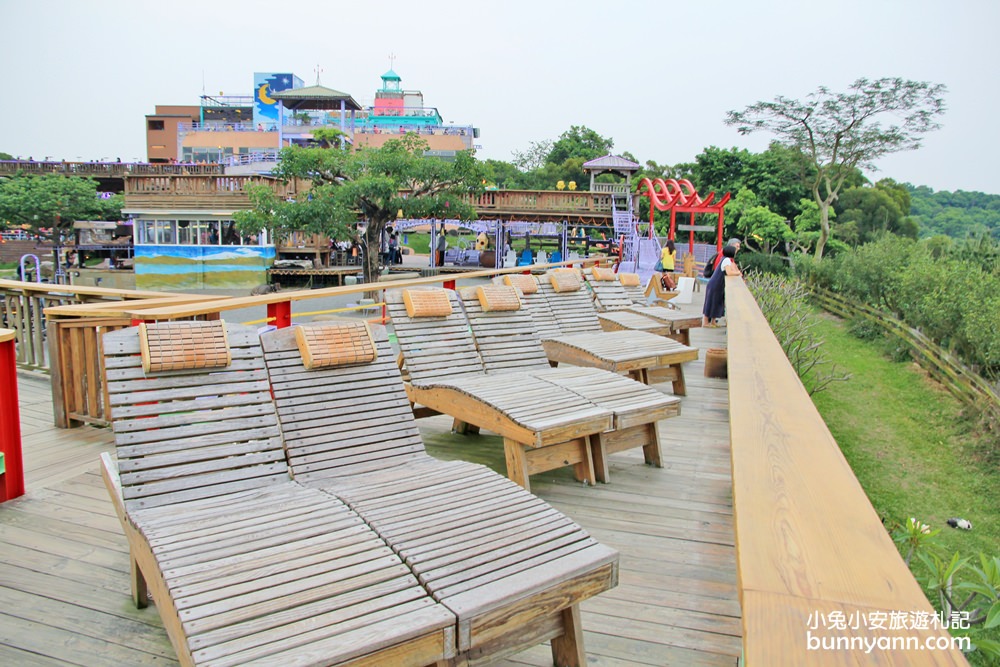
140,593
680,389
517,463
584,470
651,452
600,456
567,649
640,375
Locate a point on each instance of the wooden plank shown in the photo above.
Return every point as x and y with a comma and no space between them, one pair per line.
789,479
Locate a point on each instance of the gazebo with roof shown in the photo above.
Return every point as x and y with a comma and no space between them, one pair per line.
611,164
316,98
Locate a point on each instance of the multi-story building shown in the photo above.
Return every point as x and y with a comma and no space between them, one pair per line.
283,112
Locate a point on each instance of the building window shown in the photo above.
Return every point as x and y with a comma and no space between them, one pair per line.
156,125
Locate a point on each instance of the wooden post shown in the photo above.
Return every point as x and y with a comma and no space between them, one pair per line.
281,312
12,472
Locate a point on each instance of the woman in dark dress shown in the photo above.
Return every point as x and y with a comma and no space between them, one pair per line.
715,293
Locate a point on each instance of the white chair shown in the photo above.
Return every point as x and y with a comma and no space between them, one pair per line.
685,286
541,257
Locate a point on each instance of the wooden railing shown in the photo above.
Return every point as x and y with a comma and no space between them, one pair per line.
966,385
68,349
200,192
810,547
187,191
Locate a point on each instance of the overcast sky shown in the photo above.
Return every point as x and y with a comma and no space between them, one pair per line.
656,77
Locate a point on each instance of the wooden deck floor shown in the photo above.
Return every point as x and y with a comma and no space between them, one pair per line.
64,561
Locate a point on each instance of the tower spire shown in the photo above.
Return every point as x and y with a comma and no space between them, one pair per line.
318,70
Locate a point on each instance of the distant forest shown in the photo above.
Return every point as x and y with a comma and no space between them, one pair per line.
955,214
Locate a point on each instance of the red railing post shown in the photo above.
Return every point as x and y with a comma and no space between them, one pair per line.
280,314
12,477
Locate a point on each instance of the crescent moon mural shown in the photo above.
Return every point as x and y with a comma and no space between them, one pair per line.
262,94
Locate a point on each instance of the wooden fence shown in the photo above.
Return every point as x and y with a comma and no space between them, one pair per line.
964,383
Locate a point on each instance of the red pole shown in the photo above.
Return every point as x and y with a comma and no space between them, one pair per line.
673,225
280,314
12,478
719,241
450,284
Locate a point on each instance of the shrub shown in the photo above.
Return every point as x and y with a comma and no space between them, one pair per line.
764,263
784,303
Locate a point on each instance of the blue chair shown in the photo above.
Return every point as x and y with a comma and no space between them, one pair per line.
526,259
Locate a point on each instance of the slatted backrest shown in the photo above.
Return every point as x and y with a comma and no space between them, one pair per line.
536,304
609,295
191,434
573,311
634,289
507,339
434,347
340,420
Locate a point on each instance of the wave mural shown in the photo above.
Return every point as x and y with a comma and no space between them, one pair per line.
164,267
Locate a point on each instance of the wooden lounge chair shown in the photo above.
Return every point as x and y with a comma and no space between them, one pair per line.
246,566
507,340
511,568
582,339
621,292
544,426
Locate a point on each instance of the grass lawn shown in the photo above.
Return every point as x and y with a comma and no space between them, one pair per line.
902,434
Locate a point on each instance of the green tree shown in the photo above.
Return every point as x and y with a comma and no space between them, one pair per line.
6,156
843,131
373,183
758,225
579,141
53,201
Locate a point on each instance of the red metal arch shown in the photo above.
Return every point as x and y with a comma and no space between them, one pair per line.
679,195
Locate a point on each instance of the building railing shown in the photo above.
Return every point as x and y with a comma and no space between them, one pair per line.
105,169
809,546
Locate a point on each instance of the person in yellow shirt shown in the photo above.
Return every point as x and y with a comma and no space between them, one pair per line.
667,257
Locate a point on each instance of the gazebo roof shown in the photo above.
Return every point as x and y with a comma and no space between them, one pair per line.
611,163
315,97
391,76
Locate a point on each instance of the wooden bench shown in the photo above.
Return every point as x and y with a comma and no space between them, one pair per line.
246,566
613,297
544,426
585,340
508,341
511,568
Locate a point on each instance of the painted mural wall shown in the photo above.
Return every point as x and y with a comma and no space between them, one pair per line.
265,109
183,267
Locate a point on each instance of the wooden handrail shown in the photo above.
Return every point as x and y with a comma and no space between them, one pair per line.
808,541
84,290
213,305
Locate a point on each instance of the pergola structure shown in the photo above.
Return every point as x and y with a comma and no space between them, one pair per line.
680,196
315,98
